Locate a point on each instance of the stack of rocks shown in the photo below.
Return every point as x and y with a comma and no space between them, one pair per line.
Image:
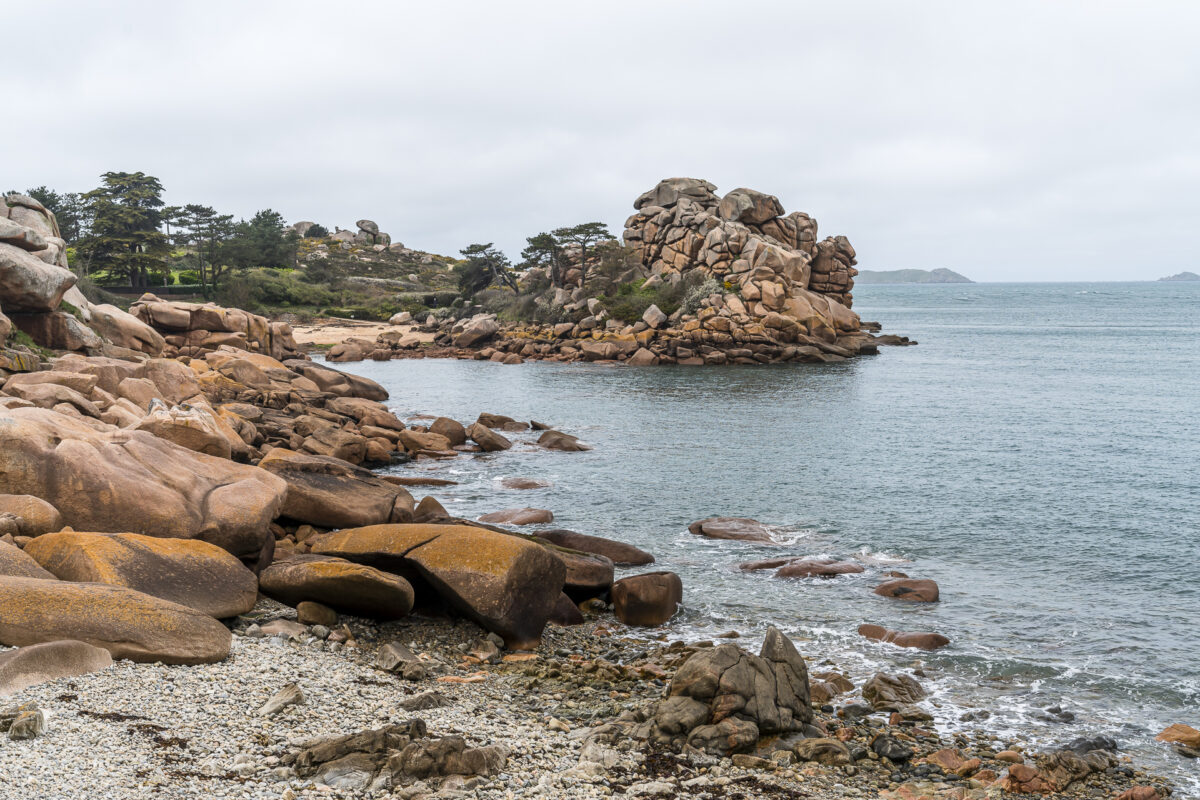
193,329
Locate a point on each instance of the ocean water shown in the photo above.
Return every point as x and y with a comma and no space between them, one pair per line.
1038,455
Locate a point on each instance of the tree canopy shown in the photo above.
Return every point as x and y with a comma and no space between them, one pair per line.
125,240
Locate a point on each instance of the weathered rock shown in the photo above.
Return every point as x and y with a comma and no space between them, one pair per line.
647,600
415,441
513,482
917,591
131,481
919,640
190,427
477,330
329,493
891,692
1179,733
14,562
343,585
28,284
724,699
126,623
891,748
519,516
38,663
290,695
505,583
739,528
192,573
620,553
829,752
452,430
395,657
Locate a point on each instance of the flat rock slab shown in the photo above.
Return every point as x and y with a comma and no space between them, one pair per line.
519,516
340,584
126,623
38,663
505,583
195,574
738,528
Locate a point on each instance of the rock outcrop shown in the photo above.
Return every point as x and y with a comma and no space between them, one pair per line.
114,480
723,699
193,329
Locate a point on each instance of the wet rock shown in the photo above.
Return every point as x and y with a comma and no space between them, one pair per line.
1024,779
1182,734
738,528
918,640
525,483
647,600
817,568
890,748
519,516
917,591
487,439
343,585
557,440
620,553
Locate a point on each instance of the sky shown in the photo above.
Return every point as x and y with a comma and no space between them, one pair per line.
1046,140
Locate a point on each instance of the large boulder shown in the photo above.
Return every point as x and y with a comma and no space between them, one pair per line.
508,585
126,623
723,699
192,573
329,493
34,515
488,440
749,206
342,384
476,330
133,482
30,285
190,427
38,663
647,600
340,584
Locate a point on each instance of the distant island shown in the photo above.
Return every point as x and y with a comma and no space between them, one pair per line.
913,276
1183,276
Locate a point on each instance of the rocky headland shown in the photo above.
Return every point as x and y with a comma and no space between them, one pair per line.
205,590
940,275
765,291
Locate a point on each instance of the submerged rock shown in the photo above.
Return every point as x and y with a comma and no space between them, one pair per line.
738,528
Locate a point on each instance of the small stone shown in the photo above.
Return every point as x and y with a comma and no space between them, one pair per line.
287,696
310,613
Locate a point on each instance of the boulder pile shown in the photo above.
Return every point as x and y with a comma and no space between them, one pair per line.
194,329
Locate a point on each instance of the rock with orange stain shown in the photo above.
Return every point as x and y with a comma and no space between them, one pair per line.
507,584
1182,734
127,623
1024,779
195,574
15,563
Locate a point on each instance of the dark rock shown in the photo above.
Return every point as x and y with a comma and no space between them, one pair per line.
647,600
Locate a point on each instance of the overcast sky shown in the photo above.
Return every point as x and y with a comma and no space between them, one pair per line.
1008,141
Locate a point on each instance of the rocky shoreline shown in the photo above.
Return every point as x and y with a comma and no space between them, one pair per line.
208,592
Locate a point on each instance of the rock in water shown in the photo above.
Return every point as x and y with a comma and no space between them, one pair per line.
39,663
340,584
519,516
723,699
134,482
915,591
126,623
508,585
891,692
195,574
739,528
919,640
647,600
620,553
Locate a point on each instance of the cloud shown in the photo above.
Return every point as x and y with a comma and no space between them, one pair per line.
1022,141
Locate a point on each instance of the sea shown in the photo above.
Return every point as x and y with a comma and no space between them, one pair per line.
1037,454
